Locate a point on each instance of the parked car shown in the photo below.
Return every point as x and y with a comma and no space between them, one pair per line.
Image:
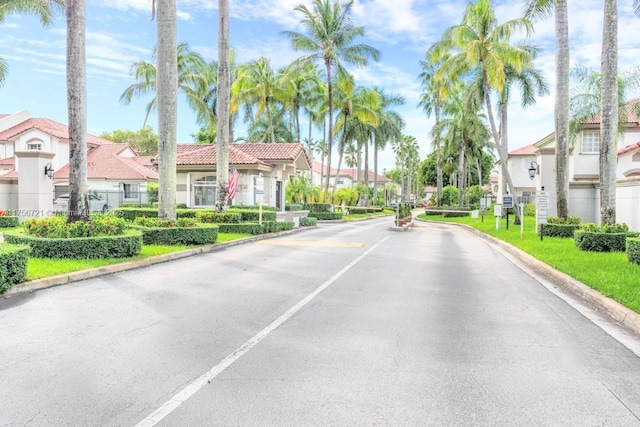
96,204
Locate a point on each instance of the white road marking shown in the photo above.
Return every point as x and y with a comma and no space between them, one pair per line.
156,416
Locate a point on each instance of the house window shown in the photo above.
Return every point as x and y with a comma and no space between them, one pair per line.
34,146
131,191
591,142
204,191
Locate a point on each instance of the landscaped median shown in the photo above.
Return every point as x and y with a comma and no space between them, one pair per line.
610,273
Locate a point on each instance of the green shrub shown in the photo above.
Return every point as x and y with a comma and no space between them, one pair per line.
143,221
219,217
325,216
357,210
13,265
346,195
274,226
152,192
306,221
7,221
181,206
633,250
600,242
126,245
589,226
242,228
466,212
253,215
201,234
574,220
558,230
57,227
318,207
529,209
293,207
130,214
614,228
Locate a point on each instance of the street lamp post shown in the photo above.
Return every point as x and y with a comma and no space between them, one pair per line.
384,184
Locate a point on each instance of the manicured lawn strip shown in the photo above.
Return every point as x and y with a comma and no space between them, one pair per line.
351,217
611,274
38,268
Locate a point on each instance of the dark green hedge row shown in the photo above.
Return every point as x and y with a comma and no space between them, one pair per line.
456,214
293,207
358,210
13,264
325,216
558,230
633,250
219,217
132,213
318,207
600,242
255,228
247,214
8,221
202,235
306,221
253,215
126,245
254,207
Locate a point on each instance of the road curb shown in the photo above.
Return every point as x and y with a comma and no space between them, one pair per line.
620,314
76,276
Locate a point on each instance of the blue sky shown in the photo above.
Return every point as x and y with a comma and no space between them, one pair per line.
119,32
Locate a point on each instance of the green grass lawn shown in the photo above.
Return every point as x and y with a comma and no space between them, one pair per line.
38,268
610,273
352,217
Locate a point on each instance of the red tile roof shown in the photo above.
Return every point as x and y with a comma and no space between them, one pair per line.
105,162
8,161
50,127
628,148
277,151
12,174
347,172
2,116
528,150
632,117
239,154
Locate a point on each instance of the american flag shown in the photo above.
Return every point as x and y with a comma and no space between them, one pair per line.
234,176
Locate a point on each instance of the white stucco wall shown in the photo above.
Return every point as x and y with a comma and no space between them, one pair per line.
8,195
628,203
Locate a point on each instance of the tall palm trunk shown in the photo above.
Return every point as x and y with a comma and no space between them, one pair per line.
439,183
366,170
562,108
343,143
222,106
272,133
479,170
375,172
330,130
77,109
609,108
167,94
461,173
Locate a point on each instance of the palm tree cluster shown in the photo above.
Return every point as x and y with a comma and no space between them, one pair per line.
471,67
272,101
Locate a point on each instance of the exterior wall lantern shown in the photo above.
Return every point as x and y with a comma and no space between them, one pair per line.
534,170
48,170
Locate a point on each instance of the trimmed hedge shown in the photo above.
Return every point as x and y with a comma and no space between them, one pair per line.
306,221
325,216
256,228
7,221
126,245
256,207
558,230
13,265
318,207
293,207
219,217
359,210
201,235
253,215
457,214
600,242
633,250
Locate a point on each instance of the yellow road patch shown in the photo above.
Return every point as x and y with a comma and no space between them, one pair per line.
307,243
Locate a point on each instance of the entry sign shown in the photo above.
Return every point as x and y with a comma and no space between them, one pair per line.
260,189
507,201
497,210
542,216
542,200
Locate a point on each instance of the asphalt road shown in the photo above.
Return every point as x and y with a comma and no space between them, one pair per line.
346,324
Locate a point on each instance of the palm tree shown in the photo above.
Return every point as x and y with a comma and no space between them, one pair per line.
44,10
302,84
540,9
609,113
258,85
77,106
192,71
330,36
390,125
261,131
222,106
167,98
481,48
322,149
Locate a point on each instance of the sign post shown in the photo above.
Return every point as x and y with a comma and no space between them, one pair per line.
497,212
507,202
542,205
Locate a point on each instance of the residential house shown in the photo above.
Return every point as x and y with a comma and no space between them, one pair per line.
264,171
584,172
348,176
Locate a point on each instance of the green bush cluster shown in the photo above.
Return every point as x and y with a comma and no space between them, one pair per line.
126,245
165,223
403,211
7,221
200,234
467,212
633,250
558,230
256,228
245,207
346,195
130,214
57,227
13,265
219,217
529,209
318,207
325,216
597,241
357,210
306,221
253,215
574,220
293,206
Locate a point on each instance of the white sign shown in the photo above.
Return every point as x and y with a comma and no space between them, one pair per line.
497,210
542,216
542,200
260,189
475,214
507,201
483,203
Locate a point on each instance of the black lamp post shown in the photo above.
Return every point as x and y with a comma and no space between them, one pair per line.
48,170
